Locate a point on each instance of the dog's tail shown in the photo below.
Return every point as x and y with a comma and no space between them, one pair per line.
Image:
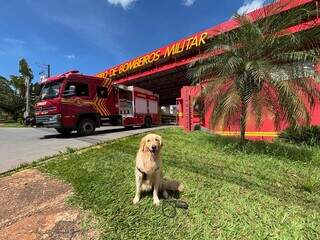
172,185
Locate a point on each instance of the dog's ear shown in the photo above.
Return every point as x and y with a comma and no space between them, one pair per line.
161,141
143,144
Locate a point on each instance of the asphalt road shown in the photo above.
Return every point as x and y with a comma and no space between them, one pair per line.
25,145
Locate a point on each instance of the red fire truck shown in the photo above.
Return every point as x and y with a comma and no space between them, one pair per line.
72,101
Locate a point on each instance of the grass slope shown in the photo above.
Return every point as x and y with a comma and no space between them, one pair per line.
260,191
11,124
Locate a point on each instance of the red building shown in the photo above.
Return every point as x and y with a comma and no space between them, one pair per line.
164,71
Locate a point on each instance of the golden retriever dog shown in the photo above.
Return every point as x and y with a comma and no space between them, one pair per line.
148,171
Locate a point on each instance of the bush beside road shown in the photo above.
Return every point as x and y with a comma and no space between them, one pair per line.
11,124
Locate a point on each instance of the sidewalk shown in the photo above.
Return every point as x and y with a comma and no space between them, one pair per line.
32,207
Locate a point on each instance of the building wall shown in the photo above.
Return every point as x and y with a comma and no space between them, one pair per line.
188,118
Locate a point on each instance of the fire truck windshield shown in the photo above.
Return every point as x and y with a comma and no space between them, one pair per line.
51,90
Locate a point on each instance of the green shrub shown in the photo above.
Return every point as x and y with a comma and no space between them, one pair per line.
309,135
20,120
197,127
70,150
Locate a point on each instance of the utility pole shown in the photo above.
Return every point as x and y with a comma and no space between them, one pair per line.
27,83
48,66
46,72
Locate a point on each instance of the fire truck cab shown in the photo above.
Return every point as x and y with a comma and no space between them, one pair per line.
72,101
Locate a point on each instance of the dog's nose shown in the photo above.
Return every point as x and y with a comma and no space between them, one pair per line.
154,147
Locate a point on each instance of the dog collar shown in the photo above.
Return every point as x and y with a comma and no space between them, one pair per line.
144,172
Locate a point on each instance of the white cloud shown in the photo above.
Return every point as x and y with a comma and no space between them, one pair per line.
249,6
188,3
13,41
70,56
12,46
125,4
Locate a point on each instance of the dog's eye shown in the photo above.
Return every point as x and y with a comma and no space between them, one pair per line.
148,140
157,140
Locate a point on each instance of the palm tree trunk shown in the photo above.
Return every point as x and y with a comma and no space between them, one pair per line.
243,124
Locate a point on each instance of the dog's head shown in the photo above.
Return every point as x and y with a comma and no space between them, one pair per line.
151,143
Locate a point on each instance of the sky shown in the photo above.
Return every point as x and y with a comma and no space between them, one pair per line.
93,35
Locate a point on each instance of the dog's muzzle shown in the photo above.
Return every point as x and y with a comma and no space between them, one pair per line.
153,149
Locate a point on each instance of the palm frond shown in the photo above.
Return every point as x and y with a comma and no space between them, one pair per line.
261,66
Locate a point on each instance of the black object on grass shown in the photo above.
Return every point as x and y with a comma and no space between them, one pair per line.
169,207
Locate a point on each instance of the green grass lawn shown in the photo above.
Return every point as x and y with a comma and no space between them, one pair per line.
11,124
260,191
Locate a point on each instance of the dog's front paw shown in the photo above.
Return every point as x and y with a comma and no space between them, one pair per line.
156,201
136,200
165,194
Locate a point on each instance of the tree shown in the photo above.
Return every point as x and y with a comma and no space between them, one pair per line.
18,85
13,92
25,70
18,82
10,102
260,67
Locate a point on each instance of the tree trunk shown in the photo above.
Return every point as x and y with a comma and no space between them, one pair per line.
243,124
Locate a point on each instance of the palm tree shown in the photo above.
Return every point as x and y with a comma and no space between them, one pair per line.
18,82
260,67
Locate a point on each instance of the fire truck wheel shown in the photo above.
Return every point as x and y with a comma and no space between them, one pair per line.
86,127
64,131
148,122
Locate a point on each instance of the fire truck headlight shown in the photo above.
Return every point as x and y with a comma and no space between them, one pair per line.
55,118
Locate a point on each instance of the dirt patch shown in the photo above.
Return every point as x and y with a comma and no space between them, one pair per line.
32,206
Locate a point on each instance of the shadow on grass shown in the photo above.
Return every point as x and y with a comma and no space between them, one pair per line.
286,151
171,195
